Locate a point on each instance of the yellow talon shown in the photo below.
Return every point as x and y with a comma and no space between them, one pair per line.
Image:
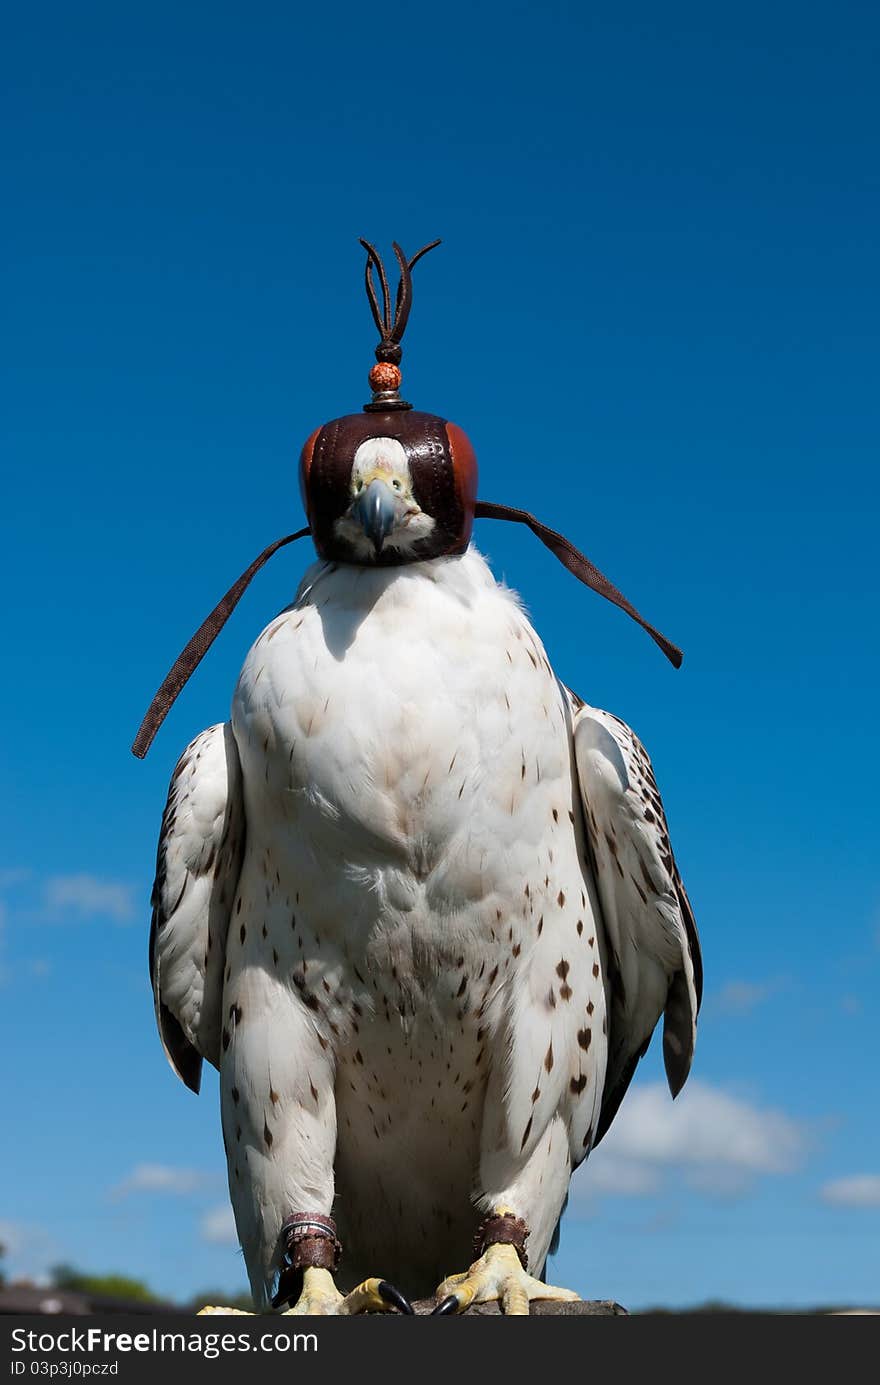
498,1277
321,1296
364,1299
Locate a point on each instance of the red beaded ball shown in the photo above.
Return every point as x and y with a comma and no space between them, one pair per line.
384,376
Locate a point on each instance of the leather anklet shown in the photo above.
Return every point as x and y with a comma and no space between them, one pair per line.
502,1228
310,1242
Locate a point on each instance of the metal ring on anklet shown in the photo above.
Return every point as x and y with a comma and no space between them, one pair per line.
310,1242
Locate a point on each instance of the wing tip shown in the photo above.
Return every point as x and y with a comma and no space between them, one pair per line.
189,1070
183,1059
677,1062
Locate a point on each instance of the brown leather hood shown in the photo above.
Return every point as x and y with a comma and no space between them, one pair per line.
441,462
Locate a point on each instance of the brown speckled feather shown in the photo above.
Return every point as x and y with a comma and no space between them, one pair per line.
653,963
197,868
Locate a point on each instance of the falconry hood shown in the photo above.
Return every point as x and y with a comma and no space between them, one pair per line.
386,486
438,456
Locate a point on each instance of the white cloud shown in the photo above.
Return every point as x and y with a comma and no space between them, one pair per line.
89,894
161,1178
717,1142
12,1236
621,1177
30,1251
719,1180
860,1190
739,997
218,1227
706,1125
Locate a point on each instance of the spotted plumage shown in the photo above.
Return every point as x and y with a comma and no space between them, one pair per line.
417,903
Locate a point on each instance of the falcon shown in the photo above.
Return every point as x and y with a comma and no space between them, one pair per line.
416,902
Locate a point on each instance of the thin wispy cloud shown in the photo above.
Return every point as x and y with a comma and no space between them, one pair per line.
716,1142
218,1227
88,896
12,876
740,997
34,967
162,1178
859,1190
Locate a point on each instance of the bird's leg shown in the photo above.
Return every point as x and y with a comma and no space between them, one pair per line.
312,1253
499,1273
278,1104
312,1248
523,1192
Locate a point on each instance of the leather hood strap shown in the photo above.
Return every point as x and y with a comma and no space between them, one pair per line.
189,658
580,566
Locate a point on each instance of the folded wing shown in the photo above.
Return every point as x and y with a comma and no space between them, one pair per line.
197,870
653,959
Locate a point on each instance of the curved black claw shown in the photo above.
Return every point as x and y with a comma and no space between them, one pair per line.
289,1287
448,1306
393,1296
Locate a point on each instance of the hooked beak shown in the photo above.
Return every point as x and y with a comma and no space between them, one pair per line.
376,511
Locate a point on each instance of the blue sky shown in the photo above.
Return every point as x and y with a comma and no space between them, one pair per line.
655,312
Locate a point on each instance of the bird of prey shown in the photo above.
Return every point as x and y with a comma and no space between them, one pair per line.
416,901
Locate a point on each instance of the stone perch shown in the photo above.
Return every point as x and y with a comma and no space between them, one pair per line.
540,1308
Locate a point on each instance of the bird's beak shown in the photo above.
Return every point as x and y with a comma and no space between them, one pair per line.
376,510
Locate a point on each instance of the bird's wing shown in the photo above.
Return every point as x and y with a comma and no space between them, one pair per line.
653,961
197,870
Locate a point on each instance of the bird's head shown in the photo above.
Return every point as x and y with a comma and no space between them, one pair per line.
382,489
389,485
